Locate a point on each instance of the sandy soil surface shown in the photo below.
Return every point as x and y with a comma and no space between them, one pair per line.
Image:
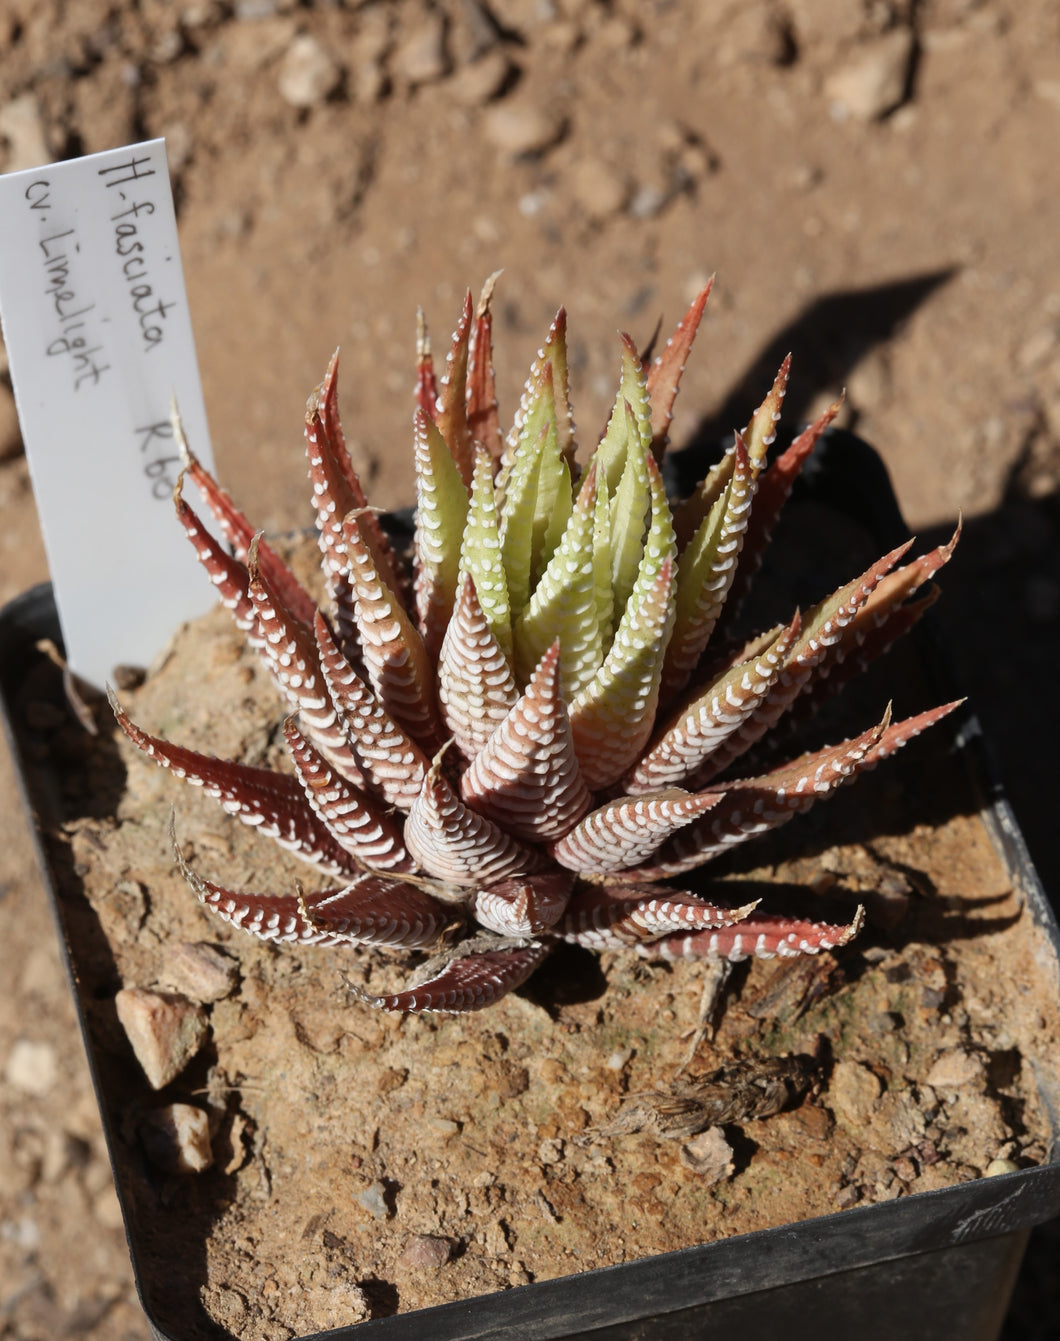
873,184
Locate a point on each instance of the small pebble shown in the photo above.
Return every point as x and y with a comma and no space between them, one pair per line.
853,1093
22,126
997,1166
31,1068
24,1233
167,47
62,1152
875,81
496,1239
953,1069
165,1031
373,1200
1037,349
480,82
550,1152
518,127
308,75
755,33
422,58
367,58
648,200
177,1138
443,1126
237,1144
601,190
426,1252
560,37
710,1155
475,30
199,971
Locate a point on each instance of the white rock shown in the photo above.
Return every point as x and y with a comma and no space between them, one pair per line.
177,1138
874,83
22,126
165,1031
709,1154
31,1068
518,126
24,1233
308,75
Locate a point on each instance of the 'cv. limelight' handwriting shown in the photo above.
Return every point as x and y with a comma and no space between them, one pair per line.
59,246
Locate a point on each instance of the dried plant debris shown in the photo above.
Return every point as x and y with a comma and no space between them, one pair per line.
736,1093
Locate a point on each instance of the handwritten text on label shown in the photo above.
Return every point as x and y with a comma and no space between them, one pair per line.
99,338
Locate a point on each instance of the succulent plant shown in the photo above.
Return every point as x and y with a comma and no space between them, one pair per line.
525,731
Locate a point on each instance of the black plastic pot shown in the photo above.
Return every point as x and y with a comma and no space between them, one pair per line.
925,1267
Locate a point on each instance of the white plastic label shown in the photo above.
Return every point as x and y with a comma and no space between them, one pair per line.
99,340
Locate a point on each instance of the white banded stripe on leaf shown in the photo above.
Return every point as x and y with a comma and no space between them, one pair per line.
397,661
369,910
480,554
760,936
527,777
706,571
441,513
611,917
565,603
456,845
476,687
754,805
362,828
227,574
451,409
468,982
821,630
529,906
289,650
390,763
701,726
625,832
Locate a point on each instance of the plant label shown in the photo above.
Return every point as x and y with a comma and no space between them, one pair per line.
99,338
